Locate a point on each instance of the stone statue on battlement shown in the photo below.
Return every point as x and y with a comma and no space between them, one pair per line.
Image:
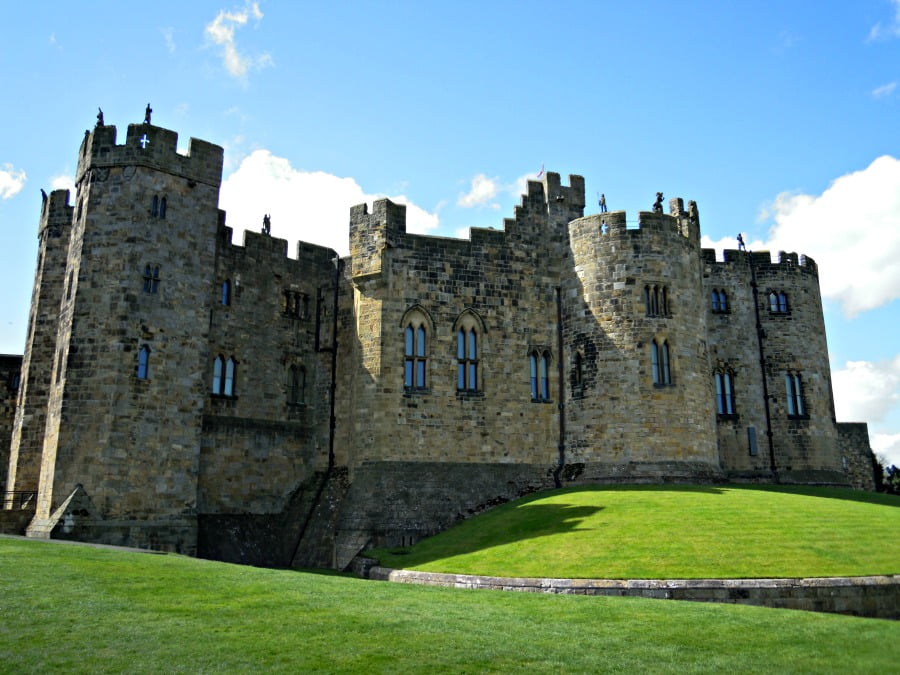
267,224
657,205
147,112
99,117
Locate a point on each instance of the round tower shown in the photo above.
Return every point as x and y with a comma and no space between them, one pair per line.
638,400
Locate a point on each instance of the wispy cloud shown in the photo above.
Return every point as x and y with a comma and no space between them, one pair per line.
884,90
11,181
168,34
221,31
888,30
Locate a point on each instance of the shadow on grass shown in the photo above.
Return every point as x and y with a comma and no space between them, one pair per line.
505,524
844,494
524,519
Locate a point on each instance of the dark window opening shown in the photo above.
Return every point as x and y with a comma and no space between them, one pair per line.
414,357
467,360
143,366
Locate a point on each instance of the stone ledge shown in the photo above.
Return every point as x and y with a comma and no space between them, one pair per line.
872,596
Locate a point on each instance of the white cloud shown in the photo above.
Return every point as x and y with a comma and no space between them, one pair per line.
311,206
886,447
64,181
483,190
887,31
884,90
168,34
11,181
852,230
866,391
870,392
221,31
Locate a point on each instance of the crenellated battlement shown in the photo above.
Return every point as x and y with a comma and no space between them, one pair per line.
152,147
274,250
763,260
678,222
56,211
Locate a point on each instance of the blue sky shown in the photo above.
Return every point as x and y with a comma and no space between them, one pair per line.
779,119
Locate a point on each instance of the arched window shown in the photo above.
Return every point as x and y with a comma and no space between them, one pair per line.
415,350
656,300
778,302
719,301
794,389
724,392
659,362
296,385
143,364
467,359
226,292
218,368
228,384
162,207
539,362
154,206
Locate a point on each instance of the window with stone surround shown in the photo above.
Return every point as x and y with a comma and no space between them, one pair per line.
469,330
719,301
656,300
158,207
539,366
659,362
143,363
296,385
226,292
778,302
417,330
724,381
793,384
224,374
151,279
467,359
295,304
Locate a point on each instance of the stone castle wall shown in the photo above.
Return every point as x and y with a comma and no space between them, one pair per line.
10,382
180,391
272,314
635,287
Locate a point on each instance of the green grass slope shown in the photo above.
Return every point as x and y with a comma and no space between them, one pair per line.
71,608
690,532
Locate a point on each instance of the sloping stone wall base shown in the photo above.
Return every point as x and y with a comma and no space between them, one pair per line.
874,596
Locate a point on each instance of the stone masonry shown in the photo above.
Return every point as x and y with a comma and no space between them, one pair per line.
183,392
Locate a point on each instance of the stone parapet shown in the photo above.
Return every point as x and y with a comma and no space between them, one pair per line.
871,596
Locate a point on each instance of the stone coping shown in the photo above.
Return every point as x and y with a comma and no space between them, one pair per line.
872,596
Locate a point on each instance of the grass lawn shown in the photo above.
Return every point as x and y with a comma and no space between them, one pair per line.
640,532
74,608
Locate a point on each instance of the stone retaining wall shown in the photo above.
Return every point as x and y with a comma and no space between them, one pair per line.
874,596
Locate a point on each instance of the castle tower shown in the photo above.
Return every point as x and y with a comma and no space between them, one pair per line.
129,369
637,363
50,285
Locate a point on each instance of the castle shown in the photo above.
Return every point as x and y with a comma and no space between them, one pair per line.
182,392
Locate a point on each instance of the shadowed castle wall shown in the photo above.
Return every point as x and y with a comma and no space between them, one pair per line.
50,283
272,314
